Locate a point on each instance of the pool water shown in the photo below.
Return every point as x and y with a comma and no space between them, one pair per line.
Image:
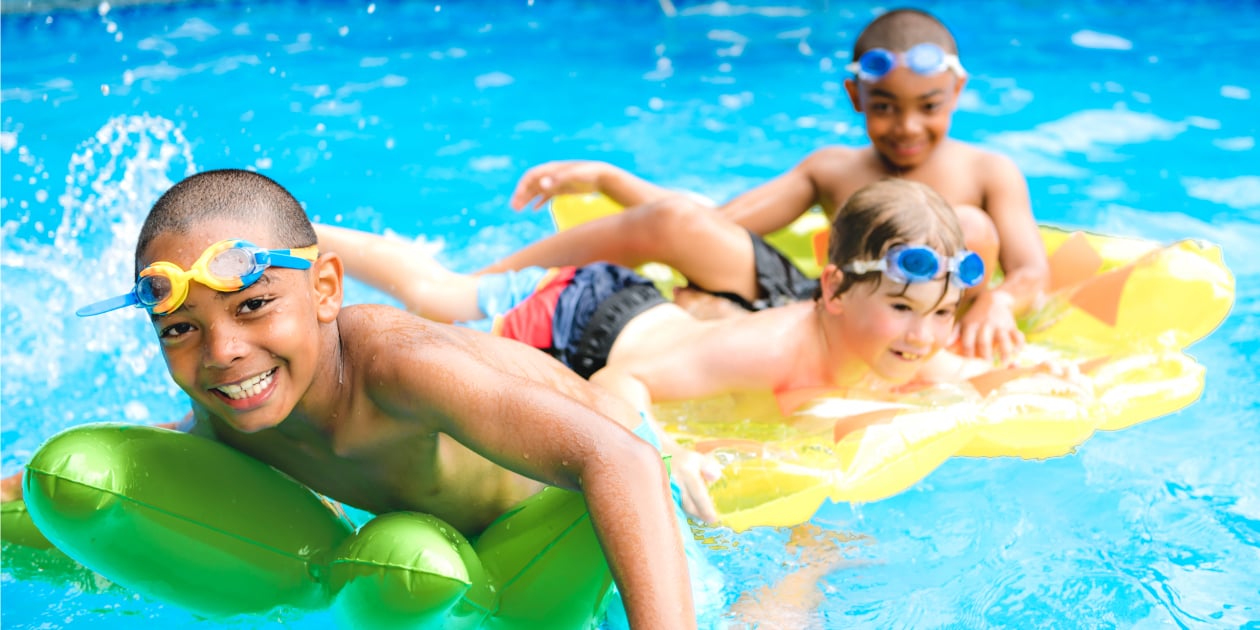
417,119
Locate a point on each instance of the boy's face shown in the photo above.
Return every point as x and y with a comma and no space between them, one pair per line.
246,357
907,114
895,328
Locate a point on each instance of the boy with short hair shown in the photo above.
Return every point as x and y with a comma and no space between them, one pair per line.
907,79
380,409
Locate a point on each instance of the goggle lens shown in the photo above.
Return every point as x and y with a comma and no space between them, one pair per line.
970,270
231,263
918,264
151,290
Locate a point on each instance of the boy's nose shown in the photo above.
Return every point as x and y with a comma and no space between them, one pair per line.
910,122
222,345
921,331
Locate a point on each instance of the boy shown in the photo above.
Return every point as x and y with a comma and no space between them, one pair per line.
377,408
907,81
896,272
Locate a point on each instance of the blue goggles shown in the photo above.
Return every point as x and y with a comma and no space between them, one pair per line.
925,59
226,266
909,264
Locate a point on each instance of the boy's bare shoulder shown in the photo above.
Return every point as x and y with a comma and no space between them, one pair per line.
833,156
985,160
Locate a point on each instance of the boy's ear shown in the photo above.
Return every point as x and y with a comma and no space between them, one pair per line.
829,283
855,93
328,277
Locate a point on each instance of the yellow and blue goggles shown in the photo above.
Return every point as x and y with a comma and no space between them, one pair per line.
909,264
226,266
925,59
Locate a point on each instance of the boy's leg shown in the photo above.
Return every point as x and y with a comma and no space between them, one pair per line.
402,270
710,250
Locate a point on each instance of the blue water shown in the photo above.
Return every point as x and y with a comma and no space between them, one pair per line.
418,118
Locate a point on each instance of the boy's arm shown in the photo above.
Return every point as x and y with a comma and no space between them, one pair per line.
780,201
538,432
692,470
990,320
543,182
1025,267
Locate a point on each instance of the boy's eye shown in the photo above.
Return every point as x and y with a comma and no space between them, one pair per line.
253,304
902,307
174,331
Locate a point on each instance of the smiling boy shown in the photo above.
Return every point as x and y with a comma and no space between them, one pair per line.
907,80
380,409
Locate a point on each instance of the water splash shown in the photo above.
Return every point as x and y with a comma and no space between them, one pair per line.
112,180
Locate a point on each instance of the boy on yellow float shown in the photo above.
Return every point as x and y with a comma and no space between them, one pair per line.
907,79
380,409
897,268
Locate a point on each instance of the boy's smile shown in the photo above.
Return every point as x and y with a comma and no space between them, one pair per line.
907,114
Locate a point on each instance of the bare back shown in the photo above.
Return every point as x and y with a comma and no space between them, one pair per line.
678,357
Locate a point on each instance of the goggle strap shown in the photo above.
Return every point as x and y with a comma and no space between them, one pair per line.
288,261
111,304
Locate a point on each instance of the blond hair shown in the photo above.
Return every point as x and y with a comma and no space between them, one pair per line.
886,213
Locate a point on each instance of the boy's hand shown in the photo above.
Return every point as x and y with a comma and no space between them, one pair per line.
539,184
990,323
694,472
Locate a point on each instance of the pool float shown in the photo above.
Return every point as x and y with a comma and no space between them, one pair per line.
191,522
1124,309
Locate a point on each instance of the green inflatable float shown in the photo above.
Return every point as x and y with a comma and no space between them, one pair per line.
188,521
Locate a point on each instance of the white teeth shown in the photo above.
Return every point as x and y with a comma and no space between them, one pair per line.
249,387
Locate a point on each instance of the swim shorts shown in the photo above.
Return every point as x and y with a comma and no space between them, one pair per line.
573,313
779,281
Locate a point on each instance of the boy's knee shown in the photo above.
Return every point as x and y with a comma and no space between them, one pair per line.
665,221
979,231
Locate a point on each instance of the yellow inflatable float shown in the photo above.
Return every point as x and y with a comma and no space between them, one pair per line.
1123,308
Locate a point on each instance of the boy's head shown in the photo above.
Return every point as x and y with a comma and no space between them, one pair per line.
226,195
893,214
897,269
907,79
254,307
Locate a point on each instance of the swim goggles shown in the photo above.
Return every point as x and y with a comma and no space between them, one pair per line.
226,266
926,59
909,264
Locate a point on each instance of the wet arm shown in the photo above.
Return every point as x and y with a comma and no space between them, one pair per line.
692,470
542,434
1025,267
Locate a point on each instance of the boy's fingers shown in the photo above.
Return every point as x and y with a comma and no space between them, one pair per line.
968,341
710,471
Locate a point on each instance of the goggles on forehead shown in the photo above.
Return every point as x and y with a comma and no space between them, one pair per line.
226,266
926,59
909,264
